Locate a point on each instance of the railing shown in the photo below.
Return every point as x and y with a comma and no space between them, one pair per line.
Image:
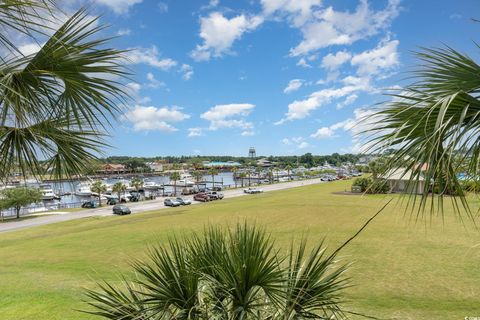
11,212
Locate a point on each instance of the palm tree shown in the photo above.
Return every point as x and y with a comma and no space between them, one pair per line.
119,188
99,187
289,170
243,175
431,127
213,172
174,176
55,103
198,175
227,274
137,184
234,172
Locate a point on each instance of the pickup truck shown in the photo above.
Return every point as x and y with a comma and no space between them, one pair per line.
215,195
252,190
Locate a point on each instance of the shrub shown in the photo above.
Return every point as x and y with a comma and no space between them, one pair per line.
363,183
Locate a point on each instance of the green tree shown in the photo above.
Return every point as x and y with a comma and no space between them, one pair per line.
432,123
19,197
234,172
174,176
228,274
55,103
99,187
213,172
242,176
119,188
198,175
289,167
137,184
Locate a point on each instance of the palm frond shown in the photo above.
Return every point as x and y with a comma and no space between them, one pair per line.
433,126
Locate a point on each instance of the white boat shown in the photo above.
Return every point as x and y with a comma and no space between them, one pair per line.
186,179
150,185
47,192
83,189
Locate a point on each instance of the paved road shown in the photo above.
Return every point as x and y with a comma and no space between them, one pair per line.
135,207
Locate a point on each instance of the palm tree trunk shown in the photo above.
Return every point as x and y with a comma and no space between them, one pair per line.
17,209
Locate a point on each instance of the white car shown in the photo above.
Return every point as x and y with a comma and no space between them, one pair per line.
252,190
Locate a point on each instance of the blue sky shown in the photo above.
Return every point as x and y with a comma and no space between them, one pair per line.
284,76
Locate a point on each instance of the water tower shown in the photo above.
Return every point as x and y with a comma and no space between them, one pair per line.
251,153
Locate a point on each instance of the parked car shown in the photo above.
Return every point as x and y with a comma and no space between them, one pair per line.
171,203
112,201
202,196
121,209
217,188
215,195
183,201
253,190
89,204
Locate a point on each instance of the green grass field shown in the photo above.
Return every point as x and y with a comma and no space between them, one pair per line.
401,270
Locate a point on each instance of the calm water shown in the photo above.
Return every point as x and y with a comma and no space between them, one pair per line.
64,187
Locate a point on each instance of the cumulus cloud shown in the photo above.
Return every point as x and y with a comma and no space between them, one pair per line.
293,85
149,56
333,61
297,11
195,132
299,142
187,71
322,133
118,6
219,33
383,57
303,145
151,118
229,116
348,101
153,82
300,109
330,27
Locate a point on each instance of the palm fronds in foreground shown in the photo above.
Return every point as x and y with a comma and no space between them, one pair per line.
431,128
55,103
232,274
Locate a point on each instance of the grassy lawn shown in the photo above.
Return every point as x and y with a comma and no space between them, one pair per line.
402,269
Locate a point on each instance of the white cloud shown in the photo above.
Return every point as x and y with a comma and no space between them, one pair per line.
124,32
298,11
298,141
330,27
134,87
152,118
300,109
187,71
247,133
149,56
323,133
348,101
118,6
303,145
30,48
195,132
229,116
383,57
333,61
293,85
154,83
219,33
303,63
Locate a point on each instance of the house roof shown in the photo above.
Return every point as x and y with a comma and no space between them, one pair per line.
401,174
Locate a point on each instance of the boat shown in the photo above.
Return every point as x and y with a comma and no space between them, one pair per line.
47,192
83,189
186,179
150,185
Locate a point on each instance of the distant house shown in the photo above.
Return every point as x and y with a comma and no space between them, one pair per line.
265,163
399,181
155,166
110,168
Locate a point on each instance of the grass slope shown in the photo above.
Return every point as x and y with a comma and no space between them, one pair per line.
402,270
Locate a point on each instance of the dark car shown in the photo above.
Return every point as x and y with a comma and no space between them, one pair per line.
202,196
89,204
171,203
121,209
